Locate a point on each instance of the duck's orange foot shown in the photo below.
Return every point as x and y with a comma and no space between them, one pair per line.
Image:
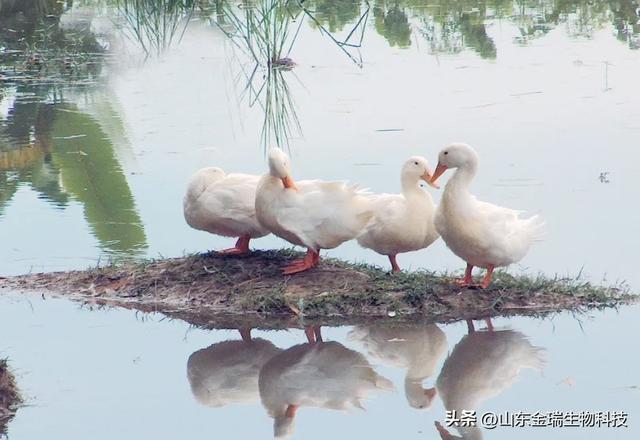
299,262
241,247
295,267
487,278
467,281
234,251
310,260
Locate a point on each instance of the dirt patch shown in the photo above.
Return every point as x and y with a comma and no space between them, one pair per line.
212,290
9,397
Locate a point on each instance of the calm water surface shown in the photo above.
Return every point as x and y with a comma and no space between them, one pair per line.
106,115
93,163
112,374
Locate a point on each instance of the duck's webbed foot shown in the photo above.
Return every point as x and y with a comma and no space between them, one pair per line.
241,247
487,278
311,259
467,281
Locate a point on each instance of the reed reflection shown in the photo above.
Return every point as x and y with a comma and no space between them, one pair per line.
155,24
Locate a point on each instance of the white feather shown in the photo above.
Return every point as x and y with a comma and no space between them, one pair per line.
222,204
227,372
480,233
402,222
324,375
484,364
318,215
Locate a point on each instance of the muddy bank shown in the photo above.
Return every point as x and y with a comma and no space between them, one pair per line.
9,397
233,291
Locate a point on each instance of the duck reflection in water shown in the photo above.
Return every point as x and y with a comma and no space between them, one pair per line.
315,374
415,348
226,373
481,366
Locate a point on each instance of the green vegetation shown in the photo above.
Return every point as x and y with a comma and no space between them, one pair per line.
451,26
91,174
49,144
40,52
36,49
63,155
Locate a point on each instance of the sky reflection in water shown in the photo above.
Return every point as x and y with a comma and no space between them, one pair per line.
106,135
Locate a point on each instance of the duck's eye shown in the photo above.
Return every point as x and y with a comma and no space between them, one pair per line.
446,152
416,163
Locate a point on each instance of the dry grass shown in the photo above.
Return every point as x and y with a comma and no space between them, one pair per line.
211,288
9,396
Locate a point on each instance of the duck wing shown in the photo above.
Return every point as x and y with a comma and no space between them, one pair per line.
326,214
233,198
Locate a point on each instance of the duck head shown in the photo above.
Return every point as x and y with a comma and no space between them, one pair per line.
418,397
214,172
280,167
417,167
455,155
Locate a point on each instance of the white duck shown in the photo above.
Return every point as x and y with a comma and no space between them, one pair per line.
224,204
310,213
322,375
403,222
480,233
227,372
414,348
481,366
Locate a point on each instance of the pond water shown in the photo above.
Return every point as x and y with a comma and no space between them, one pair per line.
106,374
107,108
93,162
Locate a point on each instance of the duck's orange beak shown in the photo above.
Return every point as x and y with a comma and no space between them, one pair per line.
427,178
431,393
439,170
289,183
444,434
291,411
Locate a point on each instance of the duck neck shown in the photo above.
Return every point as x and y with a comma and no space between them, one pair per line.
410,186
413,389
462,178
